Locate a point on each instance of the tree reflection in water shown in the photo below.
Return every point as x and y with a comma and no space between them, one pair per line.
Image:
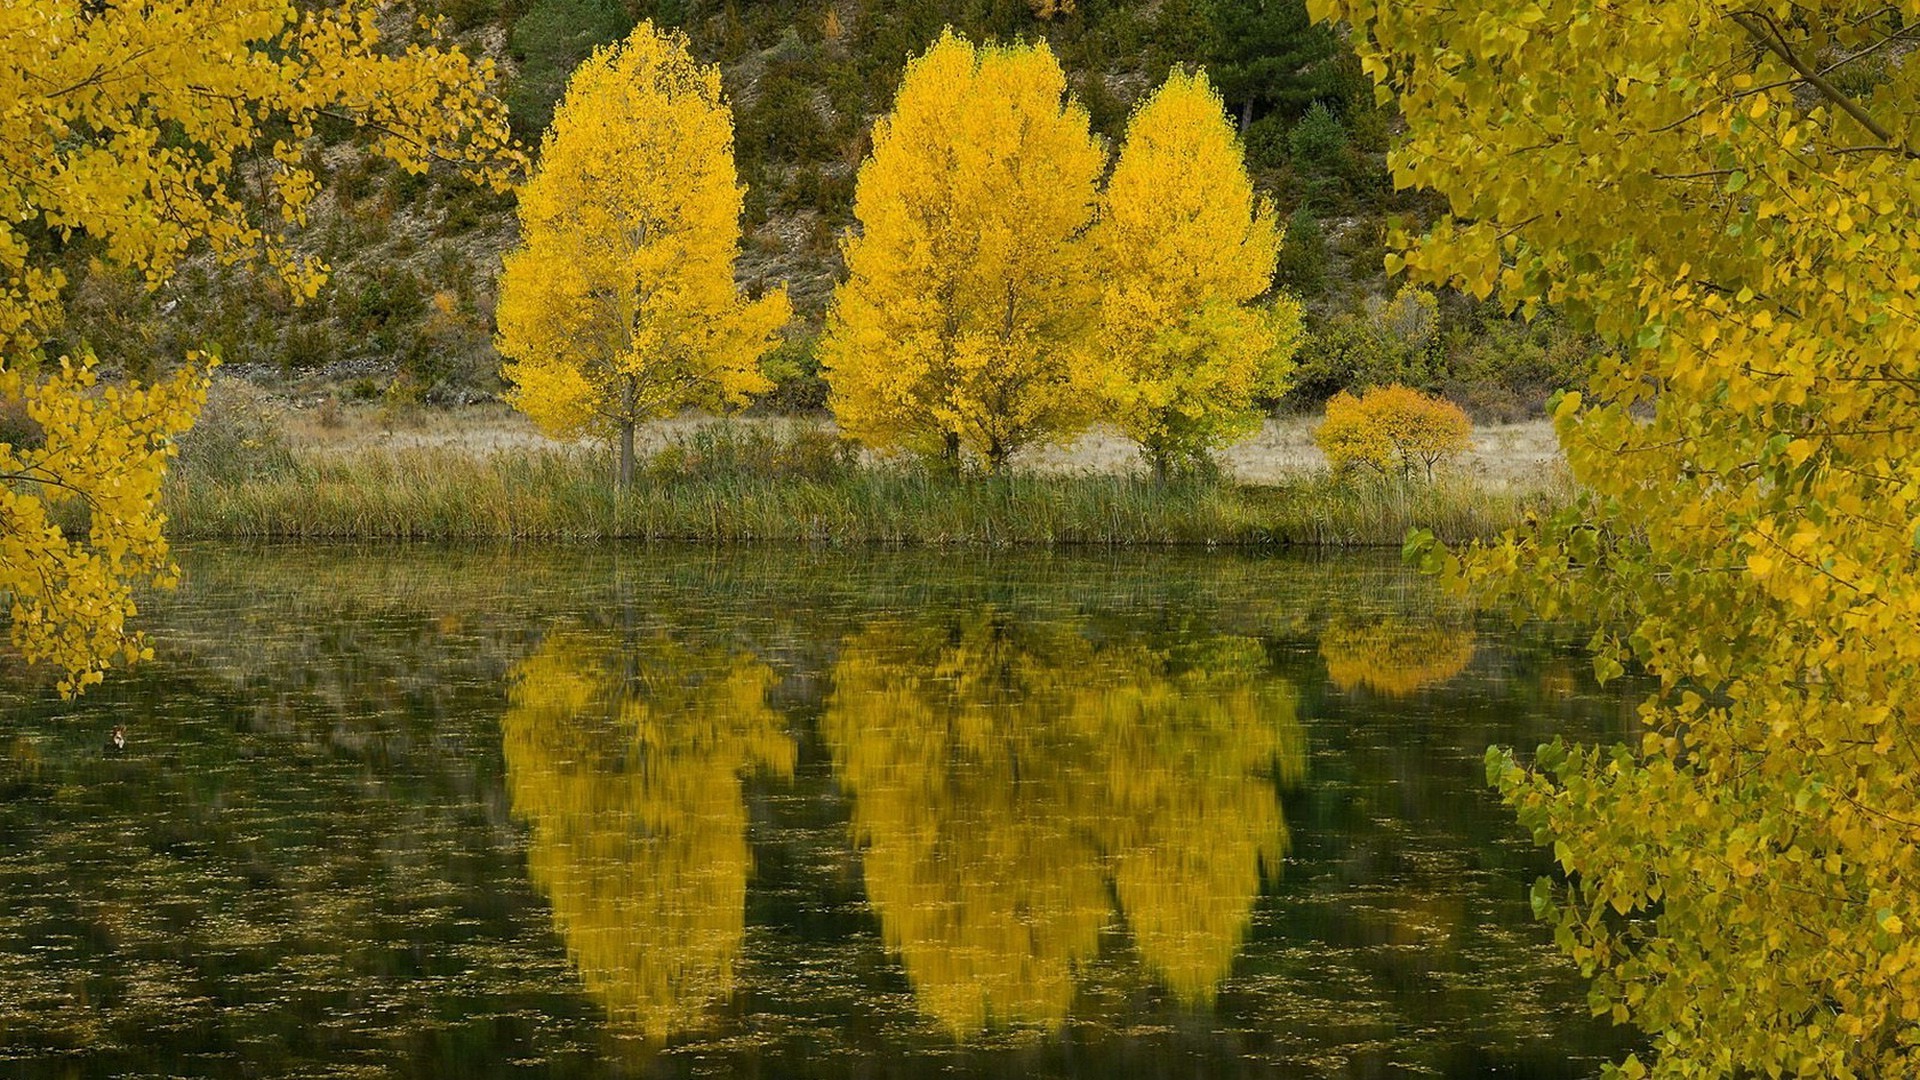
627,761
1394,655
1011,780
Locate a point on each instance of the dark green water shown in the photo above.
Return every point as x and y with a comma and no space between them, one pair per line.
768,813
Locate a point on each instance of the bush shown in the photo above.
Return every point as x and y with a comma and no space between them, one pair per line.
725,451
1506,369
1394,341
1266,143
794,369
236,438
1392,430
1302,266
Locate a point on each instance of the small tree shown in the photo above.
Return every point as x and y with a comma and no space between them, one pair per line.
1186,246
620,305
964,320
1392,429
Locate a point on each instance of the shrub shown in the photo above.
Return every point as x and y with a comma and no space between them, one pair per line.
793,367
237,436
1302,266
1392,430
724,451
1266,143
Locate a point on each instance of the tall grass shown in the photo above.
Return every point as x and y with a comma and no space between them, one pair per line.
779,492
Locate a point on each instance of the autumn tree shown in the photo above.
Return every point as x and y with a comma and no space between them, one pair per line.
127,132
620,304
1185,248
964,320
1392,430
1731,195
627,760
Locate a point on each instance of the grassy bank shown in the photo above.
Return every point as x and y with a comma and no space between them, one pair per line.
545,494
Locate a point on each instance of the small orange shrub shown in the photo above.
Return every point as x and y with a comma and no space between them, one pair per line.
1392,428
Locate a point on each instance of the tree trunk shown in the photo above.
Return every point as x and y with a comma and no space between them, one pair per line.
624,479
950,455
1246,115
996,457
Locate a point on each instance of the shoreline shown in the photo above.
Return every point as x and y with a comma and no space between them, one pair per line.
537,494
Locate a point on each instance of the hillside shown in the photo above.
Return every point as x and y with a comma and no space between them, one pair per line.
408,312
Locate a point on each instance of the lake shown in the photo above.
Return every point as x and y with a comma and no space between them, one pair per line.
771,812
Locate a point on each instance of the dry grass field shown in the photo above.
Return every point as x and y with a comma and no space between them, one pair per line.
1503,455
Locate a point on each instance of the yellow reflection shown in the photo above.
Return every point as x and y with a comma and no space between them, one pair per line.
627,765
1010,781
1394,655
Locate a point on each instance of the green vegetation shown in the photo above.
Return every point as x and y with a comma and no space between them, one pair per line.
804,489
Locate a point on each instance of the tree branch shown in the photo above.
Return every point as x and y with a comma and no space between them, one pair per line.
1775,44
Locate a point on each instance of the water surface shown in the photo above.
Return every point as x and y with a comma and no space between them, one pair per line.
774,812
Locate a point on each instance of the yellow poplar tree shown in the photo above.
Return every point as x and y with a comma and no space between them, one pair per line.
125,126
620,305
1186,247
1730,192
964,319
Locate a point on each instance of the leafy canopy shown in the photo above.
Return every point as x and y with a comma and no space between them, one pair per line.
963,322
1392,430
1185,248
127,130
620,305
1729,193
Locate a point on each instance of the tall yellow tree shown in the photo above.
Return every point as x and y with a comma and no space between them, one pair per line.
627,762
964,319
1731,192
127,126
1186,248
620,306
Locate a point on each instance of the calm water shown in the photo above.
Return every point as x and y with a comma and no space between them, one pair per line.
778,813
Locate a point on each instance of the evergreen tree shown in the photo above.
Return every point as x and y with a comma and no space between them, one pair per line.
1269,55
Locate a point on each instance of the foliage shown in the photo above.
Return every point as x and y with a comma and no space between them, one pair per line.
1743,882
548,42
124,134
620,305
1270,57
627,761
1302,266
1392,430
1185,248
964,319
722,452
236,437
1011,781
1385,342
793,369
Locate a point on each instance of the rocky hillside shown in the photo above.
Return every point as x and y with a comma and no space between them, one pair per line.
408,311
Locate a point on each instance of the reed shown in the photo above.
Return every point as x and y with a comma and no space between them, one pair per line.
547,494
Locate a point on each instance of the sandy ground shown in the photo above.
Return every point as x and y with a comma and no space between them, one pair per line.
1503,454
